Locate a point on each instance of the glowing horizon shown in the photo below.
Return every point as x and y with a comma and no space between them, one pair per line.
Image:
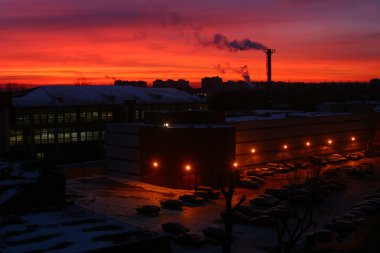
66,41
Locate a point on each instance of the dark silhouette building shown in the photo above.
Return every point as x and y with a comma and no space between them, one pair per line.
131,83
212,84
179,84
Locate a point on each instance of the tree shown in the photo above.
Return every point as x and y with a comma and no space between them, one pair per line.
299,218
228,190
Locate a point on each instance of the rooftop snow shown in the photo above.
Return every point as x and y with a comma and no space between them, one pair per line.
102,95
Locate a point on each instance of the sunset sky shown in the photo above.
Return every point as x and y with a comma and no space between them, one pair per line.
94,41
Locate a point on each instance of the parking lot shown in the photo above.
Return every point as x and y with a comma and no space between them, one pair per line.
119,198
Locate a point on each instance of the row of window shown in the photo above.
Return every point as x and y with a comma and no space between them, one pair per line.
66,117
48,136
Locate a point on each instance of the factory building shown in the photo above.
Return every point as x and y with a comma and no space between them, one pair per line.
280,136
159,152
67,123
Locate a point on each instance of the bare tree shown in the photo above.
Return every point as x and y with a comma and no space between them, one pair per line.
228,190
291,226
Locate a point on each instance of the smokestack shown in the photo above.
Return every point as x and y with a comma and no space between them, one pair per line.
269,53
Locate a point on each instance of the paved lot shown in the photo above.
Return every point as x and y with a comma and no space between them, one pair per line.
118,199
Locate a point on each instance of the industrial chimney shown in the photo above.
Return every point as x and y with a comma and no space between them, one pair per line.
269,53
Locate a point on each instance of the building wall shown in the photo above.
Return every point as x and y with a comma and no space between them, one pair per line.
5,104
123,149
267,137
133,149
209,151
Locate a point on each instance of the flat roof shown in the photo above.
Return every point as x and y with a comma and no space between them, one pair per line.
66,95
276,114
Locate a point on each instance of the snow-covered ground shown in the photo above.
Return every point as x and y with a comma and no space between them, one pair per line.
71,230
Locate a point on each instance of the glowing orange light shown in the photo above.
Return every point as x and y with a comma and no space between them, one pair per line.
308,143
353,138
187,167
155,164
253,151
166,124
329,141
235,164
285,147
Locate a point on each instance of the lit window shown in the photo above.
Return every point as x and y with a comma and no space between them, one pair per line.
16,137
50,118
109,116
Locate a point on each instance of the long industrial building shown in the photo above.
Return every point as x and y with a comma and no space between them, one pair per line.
281,136
155,152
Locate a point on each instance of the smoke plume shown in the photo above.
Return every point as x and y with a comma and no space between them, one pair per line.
223,43
220,69
245,74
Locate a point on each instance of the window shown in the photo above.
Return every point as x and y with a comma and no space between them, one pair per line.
109,116
19,119
73,117
66,135
83,136
16,137
50,118
36,119
137,115
104,116
89,116
82,116
74,136
60,117
43,118
95,116
67,117
44,136
89,135
95,135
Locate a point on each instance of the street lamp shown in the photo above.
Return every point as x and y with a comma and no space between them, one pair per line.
353,138
308,144
285,147
329,141
155,164
187,167
235,164
253,151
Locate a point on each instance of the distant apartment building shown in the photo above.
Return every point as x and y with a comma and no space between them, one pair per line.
212,84
179,84
131,83
67,123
